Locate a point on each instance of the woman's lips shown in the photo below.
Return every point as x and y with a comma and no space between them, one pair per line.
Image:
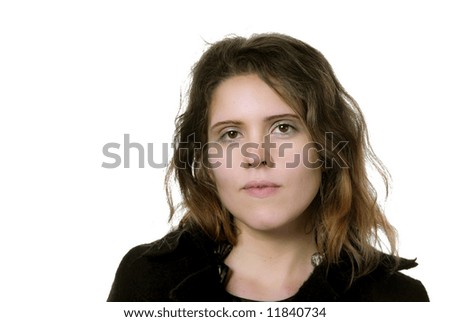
261,189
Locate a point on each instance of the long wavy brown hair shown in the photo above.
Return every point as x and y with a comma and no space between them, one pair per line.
347,218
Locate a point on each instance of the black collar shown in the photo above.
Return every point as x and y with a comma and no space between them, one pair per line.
205,284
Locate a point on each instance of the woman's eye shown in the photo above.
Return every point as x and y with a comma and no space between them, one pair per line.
229,135
232,134
283,128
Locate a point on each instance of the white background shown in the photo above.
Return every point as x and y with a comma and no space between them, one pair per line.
75,75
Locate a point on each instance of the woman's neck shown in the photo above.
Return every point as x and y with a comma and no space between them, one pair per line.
270,266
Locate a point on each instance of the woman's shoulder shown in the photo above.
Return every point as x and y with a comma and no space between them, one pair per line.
149,271
388,283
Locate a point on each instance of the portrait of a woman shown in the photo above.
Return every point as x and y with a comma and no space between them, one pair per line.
271,157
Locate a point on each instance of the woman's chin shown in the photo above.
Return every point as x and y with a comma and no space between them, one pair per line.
266,225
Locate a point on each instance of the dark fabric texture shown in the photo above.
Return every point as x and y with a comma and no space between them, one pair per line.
185,266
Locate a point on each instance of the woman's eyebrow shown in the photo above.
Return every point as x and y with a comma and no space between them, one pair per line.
281,116
226,122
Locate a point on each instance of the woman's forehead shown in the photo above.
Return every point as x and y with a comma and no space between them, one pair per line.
246,97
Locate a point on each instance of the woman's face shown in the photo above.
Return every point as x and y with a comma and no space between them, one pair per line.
261,156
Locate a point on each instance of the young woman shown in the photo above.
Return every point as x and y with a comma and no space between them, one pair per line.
270,156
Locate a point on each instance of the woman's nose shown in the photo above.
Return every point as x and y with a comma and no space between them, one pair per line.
257,154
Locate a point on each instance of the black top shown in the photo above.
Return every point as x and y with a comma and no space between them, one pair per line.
187,266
